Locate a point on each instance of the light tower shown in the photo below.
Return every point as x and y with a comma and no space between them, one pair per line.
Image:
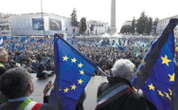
113,16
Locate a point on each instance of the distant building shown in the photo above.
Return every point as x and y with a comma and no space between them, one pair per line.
97,27
163,23
5,25
34,25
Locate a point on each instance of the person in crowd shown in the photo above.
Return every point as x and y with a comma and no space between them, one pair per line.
118,93
3,61
17,86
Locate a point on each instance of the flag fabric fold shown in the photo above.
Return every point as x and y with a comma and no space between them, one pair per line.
156,74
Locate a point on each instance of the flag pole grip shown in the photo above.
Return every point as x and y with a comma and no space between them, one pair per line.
103,73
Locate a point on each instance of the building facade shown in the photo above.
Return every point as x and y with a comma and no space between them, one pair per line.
163,23
46,24
34,25
5,25
97,27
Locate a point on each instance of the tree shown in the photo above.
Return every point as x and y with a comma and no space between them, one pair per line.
142,25
74,21
148,25
82,25
133,26
141,22
125,29
155,23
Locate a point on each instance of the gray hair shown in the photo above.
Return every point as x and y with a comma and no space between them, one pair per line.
123,68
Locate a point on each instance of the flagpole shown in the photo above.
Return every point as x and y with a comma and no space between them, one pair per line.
103,72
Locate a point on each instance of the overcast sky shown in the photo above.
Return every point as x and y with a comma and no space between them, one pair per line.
95,9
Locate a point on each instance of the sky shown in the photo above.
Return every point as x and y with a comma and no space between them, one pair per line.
95,9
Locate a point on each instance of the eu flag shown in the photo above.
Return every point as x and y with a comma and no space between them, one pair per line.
73,72
156,75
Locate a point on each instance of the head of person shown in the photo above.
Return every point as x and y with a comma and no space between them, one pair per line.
123,68
16,83
3,55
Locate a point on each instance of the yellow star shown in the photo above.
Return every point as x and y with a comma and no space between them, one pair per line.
160,93
80,81
74,60
172,77
167,95
80,65
66,90
151,87
82,72
170,92
65,58
165,60
73,87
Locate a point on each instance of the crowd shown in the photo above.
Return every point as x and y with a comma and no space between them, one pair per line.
35,53
105,51
16,87
36,56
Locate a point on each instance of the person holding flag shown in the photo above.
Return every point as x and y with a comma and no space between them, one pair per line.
118,93
157,74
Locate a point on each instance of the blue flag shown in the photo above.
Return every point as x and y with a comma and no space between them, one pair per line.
41,41
32,40
157,74
11,47
23,39
21,48
1,42
73,72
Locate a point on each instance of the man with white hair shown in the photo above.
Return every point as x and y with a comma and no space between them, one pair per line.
117,93
123,68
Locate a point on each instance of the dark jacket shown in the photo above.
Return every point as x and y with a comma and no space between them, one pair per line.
79,105
2,70
2,98
125,99
15,106
80,102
